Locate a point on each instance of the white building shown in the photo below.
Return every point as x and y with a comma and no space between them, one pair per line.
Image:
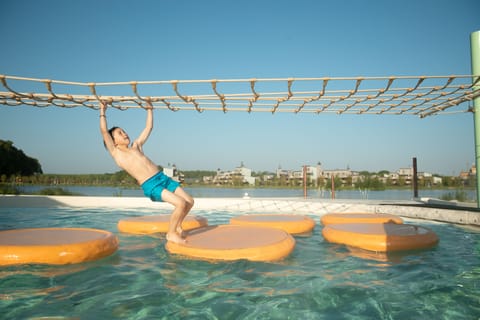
246,173
437,180
339,173
405,172
314,172
239,174
173,173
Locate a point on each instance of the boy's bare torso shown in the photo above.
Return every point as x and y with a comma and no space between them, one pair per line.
132,160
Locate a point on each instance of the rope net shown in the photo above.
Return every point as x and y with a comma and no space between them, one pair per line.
411,95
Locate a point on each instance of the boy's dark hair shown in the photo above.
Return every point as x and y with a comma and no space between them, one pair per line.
110,132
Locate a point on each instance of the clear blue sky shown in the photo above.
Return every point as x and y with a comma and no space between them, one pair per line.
98,41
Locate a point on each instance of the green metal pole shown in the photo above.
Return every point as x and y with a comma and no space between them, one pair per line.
475,52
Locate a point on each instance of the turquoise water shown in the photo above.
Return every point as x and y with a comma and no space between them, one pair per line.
317,281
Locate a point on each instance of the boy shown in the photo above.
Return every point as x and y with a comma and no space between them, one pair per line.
155,184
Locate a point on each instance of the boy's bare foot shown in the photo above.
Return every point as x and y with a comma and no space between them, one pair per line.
181,232
175,238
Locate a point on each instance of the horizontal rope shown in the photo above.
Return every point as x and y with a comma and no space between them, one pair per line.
415,95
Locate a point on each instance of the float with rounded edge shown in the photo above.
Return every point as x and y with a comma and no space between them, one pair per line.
157,223
291,223
55,245
232,242
381,237
339,218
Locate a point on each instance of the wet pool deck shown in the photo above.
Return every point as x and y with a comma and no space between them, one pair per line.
428,209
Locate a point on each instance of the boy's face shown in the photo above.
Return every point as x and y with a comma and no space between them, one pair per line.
120,137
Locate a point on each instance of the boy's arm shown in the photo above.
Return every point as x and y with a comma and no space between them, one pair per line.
148,125
107,138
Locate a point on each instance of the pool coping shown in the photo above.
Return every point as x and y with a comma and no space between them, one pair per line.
415,209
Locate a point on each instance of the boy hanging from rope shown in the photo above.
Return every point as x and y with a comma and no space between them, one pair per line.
155,184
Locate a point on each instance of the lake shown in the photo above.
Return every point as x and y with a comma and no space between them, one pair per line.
206,192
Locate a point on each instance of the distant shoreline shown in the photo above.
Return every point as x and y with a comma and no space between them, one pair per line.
136,186
404,193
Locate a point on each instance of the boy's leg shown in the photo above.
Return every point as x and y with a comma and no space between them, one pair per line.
189,204
178,214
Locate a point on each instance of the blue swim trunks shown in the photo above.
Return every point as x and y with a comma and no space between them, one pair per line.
154,186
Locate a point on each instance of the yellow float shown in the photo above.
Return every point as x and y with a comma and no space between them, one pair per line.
339,218
291,223
380,237
233,242
157,223
55,245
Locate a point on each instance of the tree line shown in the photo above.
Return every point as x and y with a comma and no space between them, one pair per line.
368,181
18,168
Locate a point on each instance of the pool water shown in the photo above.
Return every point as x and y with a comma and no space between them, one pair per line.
318,280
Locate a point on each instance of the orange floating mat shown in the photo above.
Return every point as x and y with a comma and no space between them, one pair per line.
339,218
55,245
157,223
381,237
232,242
292,223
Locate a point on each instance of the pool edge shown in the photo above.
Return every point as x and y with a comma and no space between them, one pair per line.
411,209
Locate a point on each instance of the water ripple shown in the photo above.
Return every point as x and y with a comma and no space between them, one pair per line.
318,280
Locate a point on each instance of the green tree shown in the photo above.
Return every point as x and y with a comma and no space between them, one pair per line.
198,174
14,161
371,182
337,183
